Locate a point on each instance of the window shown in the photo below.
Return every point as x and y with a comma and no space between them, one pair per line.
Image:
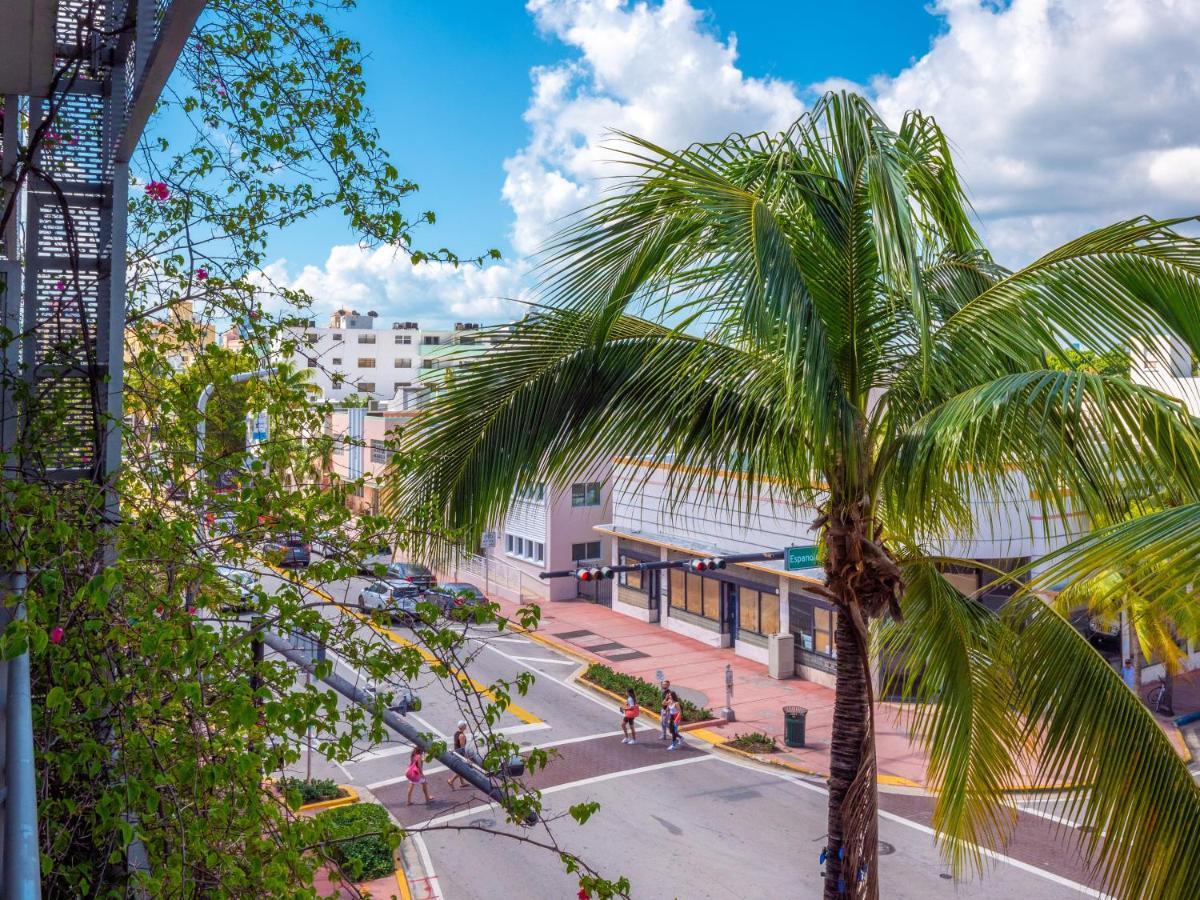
337,337
630,579
824,621
311,363
758,611
589,550
366,338
402,363
404,339
379,451
339,380
508,543
339,447
367,387
337,360
366,362
431,340
311,339
696,595
585,494
539,553
535,492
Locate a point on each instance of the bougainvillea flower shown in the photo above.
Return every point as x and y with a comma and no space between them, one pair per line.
201,274
56,634
158,190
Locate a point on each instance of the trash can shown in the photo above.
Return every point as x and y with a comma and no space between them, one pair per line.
793,725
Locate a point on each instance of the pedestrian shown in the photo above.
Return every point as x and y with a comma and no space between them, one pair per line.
1127,673
629,713
662,710
674,714
460,749
416,774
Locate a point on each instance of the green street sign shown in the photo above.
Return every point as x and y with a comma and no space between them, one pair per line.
800,558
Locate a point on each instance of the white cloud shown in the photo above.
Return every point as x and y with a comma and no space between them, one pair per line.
1066,115
654,70
385,281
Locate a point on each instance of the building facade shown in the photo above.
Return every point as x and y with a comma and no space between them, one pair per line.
352,357
743,605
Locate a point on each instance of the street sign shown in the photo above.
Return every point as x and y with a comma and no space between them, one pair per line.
804,557
487,540
658,675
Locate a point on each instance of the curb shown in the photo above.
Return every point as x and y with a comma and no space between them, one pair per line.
653,716
402,884
351,797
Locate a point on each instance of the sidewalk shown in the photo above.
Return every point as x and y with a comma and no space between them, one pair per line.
597,634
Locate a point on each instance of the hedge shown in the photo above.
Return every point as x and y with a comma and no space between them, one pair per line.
313,791
363,858
649,696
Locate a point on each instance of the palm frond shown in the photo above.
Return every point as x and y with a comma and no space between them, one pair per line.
957,679
1138,807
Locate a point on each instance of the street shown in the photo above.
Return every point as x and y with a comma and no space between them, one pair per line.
696,823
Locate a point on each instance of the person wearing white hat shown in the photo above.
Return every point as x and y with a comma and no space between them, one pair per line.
460,747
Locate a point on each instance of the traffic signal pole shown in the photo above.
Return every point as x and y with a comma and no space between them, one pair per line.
698,564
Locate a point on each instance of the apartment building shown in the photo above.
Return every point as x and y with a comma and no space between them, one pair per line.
742,606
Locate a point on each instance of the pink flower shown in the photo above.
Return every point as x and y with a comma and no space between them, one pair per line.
201,274
56,634
158,190
60,285
583,894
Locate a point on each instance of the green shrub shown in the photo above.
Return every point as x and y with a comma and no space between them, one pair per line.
754,742
313,791
649,696
369,856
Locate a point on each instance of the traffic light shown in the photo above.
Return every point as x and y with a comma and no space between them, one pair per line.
594,574
704,565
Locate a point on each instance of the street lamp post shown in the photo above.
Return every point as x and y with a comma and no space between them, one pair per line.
202,424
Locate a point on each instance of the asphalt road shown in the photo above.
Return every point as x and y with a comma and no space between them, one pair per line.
689,824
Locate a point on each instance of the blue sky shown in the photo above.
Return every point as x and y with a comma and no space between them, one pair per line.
1065,115
448,83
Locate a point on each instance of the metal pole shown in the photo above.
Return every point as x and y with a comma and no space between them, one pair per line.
308,773
22,858
202,424
394,721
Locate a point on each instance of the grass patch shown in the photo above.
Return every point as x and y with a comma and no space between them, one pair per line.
754,742
314,791
364,840
649,696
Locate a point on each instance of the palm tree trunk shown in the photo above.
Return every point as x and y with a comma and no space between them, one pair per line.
852,724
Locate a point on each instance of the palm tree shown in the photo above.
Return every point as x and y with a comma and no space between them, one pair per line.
813,314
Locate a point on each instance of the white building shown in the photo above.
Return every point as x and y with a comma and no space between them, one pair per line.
744,604
1167,365
352,357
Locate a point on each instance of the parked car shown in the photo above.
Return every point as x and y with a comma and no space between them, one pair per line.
290,550
381,557
1103,630
413,573
456,595
399,598
239,585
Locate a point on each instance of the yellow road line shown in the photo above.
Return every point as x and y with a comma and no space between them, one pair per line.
518,711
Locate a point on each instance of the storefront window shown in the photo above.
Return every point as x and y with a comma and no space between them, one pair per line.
678,590
769,613
824,621
631,579
712,597
748,611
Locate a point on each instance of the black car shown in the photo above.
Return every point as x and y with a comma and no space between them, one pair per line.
456,595
291,550
413,573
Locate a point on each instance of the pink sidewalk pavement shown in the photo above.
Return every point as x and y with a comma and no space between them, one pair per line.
758,699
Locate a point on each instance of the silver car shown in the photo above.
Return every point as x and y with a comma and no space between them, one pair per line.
396,597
